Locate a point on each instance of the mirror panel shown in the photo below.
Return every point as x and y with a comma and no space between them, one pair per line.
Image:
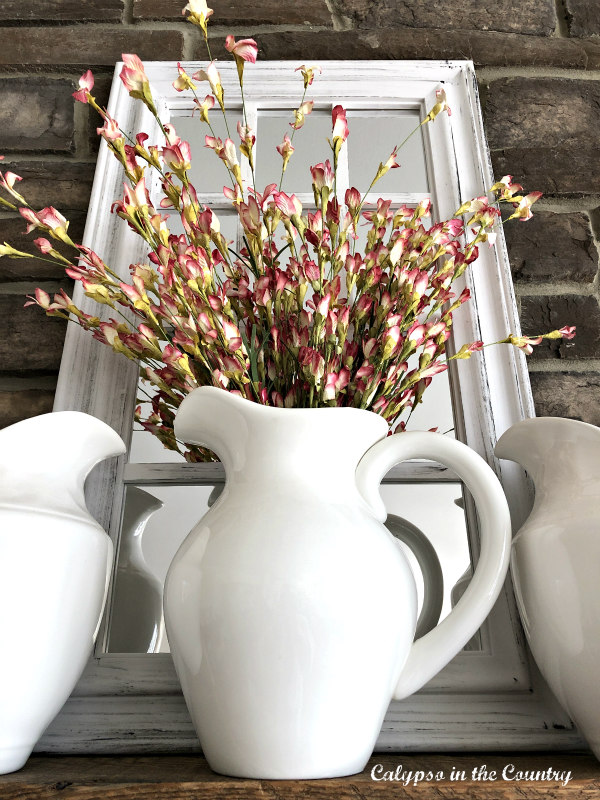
373,136
310,148
208,173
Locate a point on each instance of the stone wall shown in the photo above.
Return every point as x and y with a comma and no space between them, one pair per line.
538,65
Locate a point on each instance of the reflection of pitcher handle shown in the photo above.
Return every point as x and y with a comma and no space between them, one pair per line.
431,569
429,654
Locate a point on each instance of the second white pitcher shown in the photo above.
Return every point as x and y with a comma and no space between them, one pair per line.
290,610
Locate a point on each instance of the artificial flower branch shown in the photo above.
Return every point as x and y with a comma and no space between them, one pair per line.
326,326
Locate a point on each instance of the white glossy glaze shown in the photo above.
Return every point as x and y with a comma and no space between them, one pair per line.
290,597
55,562
427,559
556,560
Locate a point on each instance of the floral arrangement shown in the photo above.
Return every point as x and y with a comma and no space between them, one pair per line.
298,318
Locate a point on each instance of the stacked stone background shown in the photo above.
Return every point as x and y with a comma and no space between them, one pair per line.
538,67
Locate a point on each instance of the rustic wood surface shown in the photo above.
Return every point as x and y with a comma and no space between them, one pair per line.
189,778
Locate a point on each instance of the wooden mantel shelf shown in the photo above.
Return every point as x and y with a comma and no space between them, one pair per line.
189,778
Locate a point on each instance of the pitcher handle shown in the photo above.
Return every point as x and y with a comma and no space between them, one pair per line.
429,654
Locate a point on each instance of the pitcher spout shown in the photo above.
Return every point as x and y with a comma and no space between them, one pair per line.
63,439
525,443
92,440
45,460
553,450
216,419
250,438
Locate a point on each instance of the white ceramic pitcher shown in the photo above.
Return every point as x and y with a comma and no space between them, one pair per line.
290,610
555,561
55,564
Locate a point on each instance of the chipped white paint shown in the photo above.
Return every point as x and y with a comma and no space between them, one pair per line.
491,698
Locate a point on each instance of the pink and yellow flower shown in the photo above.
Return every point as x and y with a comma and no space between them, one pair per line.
523,207
211,74
524,343
243,49
308,73
295,315
199,13
178,157
391,163
135,80
48,219
323,176
340,130
439,106
247,140
205,106
289,204
133,73
183,81
110,130
285,150
301,113
86,84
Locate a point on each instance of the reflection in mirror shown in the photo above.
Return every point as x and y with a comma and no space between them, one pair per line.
146,448
429,565
460,588
170,514
432,509
157,521
136,614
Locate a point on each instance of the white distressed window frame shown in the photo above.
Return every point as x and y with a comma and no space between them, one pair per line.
487,699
